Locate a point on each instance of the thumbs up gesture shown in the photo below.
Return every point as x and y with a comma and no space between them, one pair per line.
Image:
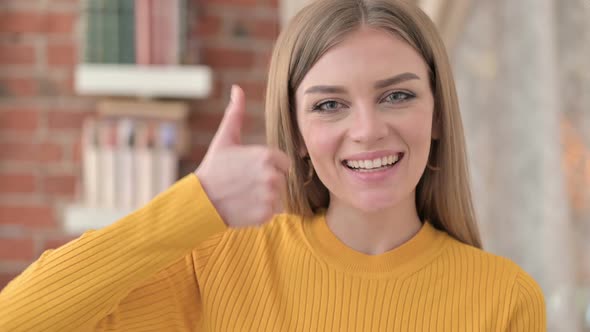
244,182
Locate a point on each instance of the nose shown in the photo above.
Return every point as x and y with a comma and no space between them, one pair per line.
368,125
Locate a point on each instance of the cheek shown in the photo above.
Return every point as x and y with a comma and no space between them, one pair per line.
420,132
418,135
321,140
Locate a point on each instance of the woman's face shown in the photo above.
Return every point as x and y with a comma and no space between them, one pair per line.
365,113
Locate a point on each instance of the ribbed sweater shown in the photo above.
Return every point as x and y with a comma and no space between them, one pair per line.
173,265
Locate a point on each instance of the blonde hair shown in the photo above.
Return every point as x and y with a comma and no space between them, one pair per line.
443,195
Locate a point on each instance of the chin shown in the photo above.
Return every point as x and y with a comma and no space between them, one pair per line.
374,203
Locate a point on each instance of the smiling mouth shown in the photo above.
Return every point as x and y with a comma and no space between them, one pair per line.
373,165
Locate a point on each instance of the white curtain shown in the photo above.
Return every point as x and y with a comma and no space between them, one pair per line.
507,64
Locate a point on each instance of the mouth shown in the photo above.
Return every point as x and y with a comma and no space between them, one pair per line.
373,165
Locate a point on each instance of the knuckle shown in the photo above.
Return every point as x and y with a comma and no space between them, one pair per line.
268,200
271,180
265,213
266,156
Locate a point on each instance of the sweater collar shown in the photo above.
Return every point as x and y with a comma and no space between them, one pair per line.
407,258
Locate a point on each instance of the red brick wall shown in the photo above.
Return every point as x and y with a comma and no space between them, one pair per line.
41,116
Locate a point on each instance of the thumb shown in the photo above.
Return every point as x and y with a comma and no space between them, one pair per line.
230,128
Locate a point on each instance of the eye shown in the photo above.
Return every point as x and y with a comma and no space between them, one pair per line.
399,97
327,106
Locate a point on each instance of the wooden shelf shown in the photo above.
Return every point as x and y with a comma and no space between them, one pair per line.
161,110
79,219
143,81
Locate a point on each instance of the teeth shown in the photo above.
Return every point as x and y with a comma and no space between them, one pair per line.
372,164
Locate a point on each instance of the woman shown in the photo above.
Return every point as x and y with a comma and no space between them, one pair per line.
367,157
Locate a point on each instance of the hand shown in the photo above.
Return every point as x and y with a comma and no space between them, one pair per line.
244,182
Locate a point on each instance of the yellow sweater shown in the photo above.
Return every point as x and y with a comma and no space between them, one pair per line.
174,266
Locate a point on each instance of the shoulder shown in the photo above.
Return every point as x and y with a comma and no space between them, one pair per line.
502,282
527,308
491,266
281,226
282,229
478,261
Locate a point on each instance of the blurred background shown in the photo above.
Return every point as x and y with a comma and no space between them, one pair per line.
97,94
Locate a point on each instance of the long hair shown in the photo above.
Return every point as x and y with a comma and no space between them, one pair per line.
443,195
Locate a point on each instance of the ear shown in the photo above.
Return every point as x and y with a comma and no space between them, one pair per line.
302,149
300,144
436,128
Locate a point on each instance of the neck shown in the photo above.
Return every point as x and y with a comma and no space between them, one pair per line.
373,232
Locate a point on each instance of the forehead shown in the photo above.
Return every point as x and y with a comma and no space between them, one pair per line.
365,56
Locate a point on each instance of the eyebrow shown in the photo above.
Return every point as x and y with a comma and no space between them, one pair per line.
378,85
396,80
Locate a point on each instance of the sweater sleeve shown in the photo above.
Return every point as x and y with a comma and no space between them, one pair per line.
120,273
528,311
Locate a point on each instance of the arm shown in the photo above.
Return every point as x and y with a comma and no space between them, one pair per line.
90,280
528,311
103,279
170,300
